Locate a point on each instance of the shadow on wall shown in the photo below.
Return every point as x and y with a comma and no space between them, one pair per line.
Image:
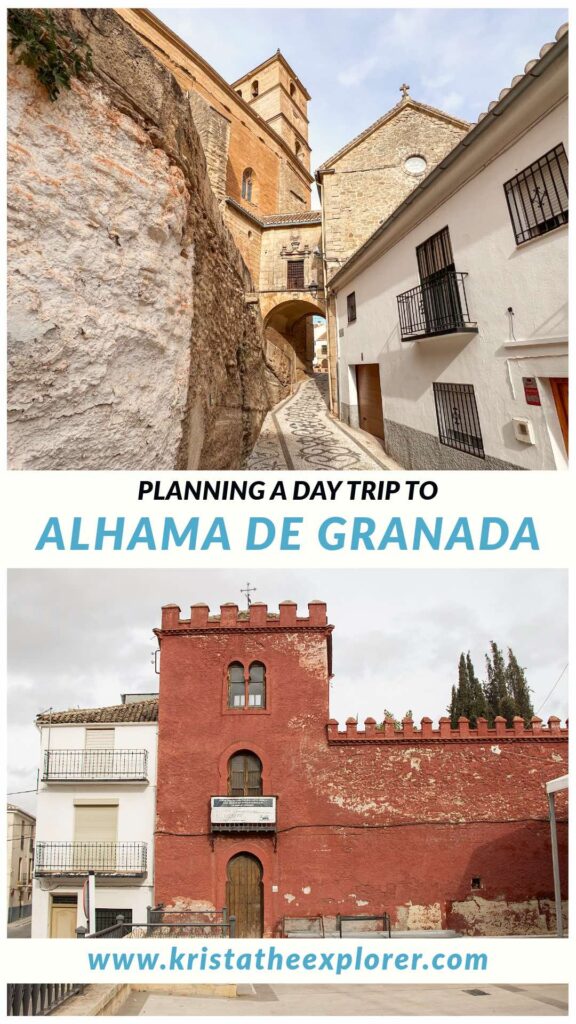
483,910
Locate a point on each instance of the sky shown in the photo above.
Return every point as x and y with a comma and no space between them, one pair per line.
80,638
353,61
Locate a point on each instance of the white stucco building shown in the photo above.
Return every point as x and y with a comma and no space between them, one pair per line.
452,317
95,812
20,831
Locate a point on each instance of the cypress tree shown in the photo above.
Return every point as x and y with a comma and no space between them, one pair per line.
452,709
495,689
518,688
477,706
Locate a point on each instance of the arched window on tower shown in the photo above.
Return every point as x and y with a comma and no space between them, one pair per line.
239,93
247,184
254,88
297,148
236,686
257,685
244,774
292,90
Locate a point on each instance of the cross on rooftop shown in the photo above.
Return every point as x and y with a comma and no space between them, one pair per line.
404,89
248,590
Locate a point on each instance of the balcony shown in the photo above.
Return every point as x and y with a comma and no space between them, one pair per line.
95,766
105,859
243,813
437,308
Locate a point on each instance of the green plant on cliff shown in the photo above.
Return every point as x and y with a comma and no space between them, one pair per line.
52,52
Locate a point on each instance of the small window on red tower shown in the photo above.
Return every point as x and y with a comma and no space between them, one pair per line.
257,685
236,686
244,774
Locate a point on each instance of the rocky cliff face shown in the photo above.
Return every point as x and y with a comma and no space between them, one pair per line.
131,345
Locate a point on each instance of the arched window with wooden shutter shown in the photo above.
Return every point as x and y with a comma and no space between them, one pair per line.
244,774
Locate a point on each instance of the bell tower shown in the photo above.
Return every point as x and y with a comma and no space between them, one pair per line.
276,93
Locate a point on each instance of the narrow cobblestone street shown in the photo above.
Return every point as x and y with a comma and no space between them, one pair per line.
300,433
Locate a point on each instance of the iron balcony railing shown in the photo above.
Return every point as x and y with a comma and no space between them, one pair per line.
95,766
38,1000
170,924
437,307
79,858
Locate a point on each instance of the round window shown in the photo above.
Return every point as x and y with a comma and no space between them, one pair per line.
415,164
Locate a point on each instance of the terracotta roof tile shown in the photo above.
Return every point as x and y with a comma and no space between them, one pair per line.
527,69
278,219
139,711
306,217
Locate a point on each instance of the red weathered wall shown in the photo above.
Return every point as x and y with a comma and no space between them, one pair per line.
367,821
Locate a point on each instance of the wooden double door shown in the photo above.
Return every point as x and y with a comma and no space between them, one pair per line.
244,895
370,412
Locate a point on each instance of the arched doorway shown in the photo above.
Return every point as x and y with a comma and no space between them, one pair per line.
290,330
244,895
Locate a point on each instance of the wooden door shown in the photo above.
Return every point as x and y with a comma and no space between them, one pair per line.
559,387
63,916
370,414
244,895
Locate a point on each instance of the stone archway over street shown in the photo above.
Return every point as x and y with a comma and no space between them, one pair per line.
289,332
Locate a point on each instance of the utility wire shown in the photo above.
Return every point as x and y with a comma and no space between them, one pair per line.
367,827
553,688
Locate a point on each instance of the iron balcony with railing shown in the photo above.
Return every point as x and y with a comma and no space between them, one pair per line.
111,859
95,766
437,307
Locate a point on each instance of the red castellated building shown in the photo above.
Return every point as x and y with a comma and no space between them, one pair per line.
266,807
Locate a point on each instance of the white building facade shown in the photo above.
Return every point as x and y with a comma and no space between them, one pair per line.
95,813
20,830
452,318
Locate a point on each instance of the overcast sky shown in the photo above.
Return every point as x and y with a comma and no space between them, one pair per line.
80,638
353,61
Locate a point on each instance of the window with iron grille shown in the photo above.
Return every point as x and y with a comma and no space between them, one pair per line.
106,918
244,774
457,416
538,197
351,303
435,255
296,273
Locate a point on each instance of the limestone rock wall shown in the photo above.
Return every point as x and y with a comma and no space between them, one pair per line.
130,343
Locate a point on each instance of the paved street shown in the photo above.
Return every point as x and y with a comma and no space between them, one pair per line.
20,929
300,433
360,1001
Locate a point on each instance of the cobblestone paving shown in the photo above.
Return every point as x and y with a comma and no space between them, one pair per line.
300,434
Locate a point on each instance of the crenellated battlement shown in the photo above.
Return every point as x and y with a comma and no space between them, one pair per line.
256,617
372,733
